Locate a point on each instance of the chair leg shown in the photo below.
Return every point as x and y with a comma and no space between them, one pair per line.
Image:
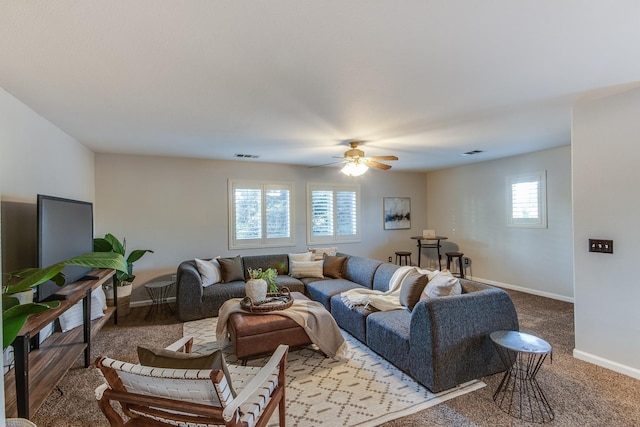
282,410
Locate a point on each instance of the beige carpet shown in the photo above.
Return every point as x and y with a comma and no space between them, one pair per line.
364,390
581,394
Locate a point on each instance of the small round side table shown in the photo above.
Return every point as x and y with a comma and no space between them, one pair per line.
158,291
519,394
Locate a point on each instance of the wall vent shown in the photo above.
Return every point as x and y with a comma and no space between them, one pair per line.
246,156
471,153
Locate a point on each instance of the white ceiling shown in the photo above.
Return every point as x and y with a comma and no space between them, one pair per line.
291,81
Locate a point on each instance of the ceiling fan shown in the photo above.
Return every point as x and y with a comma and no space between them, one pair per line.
357,163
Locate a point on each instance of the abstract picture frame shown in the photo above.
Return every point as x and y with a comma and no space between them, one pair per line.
396,213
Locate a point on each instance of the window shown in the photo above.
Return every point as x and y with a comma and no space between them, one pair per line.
260,215
333,213
527,200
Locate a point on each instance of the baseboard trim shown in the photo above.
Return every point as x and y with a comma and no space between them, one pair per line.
608,364
148,302
525,290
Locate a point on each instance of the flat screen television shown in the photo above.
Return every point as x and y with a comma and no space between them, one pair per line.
65,230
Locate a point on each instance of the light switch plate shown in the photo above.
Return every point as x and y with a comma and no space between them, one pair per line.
601,245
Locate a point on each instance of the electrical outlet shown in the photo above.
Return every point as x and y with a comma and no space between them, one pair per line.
601,246
466,261
390,259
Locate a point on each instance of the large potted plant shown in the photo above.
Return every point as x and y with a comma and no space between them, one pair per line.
14,314
124,279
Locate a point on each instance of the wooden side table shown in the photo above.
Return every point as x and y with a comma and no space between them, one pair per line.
519,393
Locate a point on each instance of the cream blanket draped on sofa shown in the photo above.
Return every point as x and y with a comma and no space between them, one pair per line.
316,321
383,301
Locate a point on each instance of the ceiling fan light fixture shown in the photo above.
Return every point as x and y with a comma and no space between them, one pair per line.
354,168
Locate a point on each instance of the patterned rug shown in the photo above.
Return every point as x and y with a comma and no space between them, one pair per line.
365,390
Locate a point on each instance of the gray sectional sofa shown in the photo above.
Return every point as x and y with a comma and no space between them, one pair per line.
441,343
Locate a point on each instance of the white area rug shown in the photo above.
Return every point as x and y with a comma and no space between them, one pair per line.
365,390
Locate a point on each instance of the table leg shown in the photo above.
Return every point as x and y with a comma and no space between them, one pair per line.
519,393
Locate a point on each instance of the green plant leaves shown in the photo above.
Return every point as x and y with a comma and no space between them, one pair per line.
136,255
14,317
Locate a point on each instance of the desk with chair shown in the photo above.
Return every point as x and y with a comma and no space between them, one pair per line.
431,242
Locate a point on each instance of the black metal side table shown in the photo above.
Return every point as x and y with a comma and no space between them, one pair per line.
519,393
158,291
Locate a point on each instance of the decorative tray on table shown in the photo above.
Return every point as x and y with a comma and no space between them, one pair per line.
273,302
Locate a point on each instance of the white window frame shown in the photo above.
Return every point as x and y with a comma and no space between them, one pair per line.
335,238
263,241
539,218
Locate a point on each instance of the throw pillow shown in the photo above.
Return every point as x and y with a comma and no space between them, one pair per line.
163,358
442,284
411,288
318,253
303,256
231,269
333,266
299,269
209,271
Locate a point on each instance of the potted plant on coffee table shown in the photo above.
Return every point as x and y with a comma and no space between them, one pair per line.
124,280
260,283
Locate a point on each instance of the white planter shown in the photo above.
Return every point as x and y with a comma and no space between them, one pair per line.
256,289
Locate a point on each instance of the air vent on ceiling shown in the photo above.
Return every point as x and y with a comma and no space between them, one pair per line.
246,156
471,153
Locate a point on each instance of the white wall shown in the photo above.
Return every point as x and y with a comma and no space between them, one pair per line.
606,205
179,208
468,205
38,157
35,157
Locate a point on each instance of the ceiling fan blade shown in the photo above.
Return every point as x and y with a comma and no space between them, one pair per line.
382,158
327,164
373,164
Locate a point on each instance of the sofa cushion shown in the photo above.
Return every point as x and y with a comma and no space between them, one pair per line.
388,335
323,290
306,269
163,358
352,320
278,261
383,276
209,271
302,256
333,266
231,269
319,253
441,285
361,270
412,286
293,284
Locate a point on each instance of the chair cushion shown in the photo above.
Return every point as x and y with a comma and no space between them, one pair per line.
163,358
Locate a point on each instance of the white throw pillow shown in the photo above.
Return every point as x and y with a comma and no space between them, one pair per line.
302,256
318,253
209,272
442,284
99,299
301,269
73,318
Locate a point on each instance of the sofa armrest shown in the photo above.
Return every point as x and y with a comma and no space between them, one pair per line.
449,336
188,287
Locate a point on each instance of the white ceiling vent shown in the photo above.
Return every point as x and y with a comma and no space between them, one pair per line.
471,153
246,156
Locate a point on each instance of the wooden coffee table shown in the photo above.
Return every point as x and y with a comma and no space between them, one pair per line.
259,334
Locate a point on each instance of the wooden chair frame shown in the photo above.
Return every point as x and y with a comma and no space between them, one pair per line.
167,411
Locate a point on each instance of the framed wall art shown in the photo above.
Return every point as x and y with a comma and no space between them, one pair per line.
397,213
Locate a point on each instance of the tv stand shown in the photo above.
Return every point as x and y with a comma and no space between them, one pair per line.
37,371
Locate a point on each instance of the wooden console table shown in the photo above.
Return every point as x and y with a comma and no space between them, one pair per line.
39,367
